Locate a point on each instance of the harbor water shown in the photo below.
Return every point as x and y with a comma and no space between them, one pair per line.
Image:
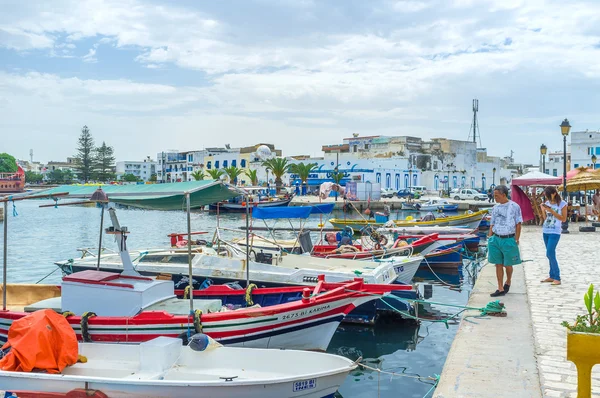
407,353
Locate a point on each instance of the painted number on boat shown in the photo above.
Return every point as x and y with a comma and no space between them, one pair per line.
305,385
400,269
305,312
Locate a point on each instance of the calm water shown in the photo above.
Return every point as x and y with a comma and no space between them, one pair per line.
39,236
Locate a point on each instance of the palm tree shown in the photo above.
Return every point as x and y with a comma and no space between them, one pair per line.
303,171
337,177
233,173
252,176
215,174
278,166
198,175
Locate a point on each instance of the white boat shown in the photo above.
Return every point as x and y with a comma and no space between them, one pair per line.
164,368
293,269
438,204
419,230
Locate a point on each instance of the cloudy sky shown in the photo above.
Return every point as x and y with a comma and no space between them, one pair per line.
147,76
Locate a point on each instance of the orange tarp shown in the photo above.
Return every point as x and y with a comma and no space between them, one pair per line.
43,340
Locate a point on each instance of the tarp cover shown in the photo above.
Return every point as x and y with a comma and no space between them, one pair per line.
326,208
42,340
170,196
536,178
265,213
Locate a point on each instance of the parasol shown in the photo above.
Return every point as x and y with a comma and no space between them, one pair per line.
585,180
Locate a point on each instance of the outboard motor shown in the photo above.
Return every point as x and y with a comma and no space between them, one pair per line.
264,258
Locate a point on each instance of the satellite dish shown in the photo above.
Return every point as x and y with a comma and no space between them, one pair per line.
263,152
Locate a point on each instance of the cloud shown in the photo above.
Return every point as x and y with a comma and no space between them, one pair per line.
90,57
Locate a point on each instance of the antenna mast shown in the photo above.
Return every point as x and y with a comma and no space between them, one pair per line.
475,127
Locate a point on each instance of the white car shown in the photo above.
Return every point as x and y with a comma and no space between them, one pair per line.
388,192
469,194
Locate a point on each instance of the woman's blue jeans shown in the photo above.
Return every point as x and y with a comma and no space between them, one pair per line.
551,241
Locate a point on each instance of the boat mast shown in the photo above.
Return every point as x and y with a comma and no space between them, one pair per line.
121,234
189,245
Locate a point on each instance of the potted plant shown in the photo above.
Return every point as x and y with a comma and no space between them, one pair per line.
583,342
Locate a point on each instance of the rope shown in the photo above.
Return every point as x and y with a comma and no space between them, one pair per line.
198,321
55,269
67,314
186,292
85,335
14,207
435,378
248,295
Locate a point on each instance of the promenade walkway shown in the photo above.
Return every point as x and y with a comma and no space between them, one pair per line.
524,354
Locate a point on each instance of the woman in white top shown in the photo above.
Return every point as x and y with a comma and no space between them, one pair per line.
554,213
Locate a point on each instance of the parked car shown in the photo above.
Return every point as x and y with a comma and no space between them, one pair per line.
469,194
421,190
407,194
388,192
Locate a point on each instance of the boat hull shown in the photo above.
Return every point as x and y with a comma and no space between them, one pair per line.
470,221
241,208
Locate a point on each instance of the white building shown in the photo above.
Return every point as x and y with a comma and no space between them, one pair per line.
143,169
584,144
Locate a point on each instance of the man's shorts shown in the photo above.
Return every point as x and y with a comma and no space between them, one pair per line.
503,251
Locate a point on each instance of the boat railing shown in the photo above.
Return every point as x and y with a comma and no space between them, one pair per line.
93,251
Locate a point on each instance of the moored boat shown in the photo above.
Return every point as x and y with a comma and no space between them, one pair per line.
468,220
240,206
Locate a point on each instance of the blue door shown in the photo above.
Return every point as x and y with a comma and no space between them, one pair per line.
436,182
415,179
473,182
378,177
405,180
388,180
454,181
397,181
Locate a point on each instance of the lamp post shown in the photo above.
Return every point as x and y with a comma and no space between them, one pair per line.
565,127
494,177
449,165
594,158
543,151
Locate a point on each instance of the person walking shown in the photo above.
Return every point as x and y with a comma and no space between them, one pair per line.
490,195
596,202
554,213
503,238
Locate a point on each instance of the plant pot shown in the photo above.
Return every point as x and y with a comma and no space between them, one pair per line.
583,349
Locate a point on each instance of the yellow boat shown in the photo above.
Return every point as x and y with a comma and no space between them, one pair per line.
468,220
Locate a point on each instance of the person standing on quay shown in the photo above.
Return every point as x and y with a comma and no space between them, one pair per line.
503,238
554,213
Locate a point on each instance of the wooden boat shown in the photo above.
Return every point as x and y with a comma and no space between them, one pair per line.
134,309
447,257
415,247
162,367
425,230
468,220
240,206
12,182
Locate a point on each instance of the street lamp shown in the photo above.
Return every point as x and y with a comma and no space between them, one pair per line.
565,127
543,151
594,162
494,177
448,170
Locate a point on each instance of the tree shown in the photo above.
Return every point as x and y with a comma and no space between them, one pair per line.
198,175
252,175
59,176
85,155
130,178
303,171
277,166
104,163
67,176
8,163
33,177
153,177
215,174
233,173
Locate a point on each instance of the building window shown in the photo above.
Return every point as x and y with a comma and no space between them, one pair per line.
190,158
435,164
208,165
554,172
234,163
224,163
355,148
243,162
216,164
366,147
598,150
576,165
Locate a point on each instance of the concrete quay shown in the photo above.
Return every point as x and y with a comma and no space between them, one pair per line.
524,354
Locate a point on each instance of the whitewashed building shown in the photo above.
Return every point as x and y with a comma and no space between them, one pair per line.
584,145
143,169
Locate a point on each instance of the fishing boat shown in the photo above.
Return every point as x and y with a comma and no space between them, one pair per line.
239,205
469,220
12,182
438,204
163,367
424,230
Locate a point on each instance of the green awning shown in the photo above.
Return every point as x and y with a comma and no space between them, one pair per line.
169,196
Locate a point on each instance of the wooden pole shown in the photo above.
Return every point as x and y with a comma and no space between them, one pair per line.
247,240
5,256
189,231
100,243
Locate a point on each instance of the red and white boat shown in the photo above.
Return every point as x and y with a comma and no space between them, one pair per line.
12,182
133,309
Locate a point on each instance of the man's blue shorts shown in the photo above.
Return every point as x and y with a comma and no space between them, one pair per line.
503,251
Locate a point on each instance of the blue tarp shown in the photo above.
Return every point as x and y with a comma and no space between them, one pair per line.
264,213
326,208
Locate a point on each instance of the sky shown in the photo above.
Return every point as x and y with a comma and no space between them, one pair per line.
147,76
